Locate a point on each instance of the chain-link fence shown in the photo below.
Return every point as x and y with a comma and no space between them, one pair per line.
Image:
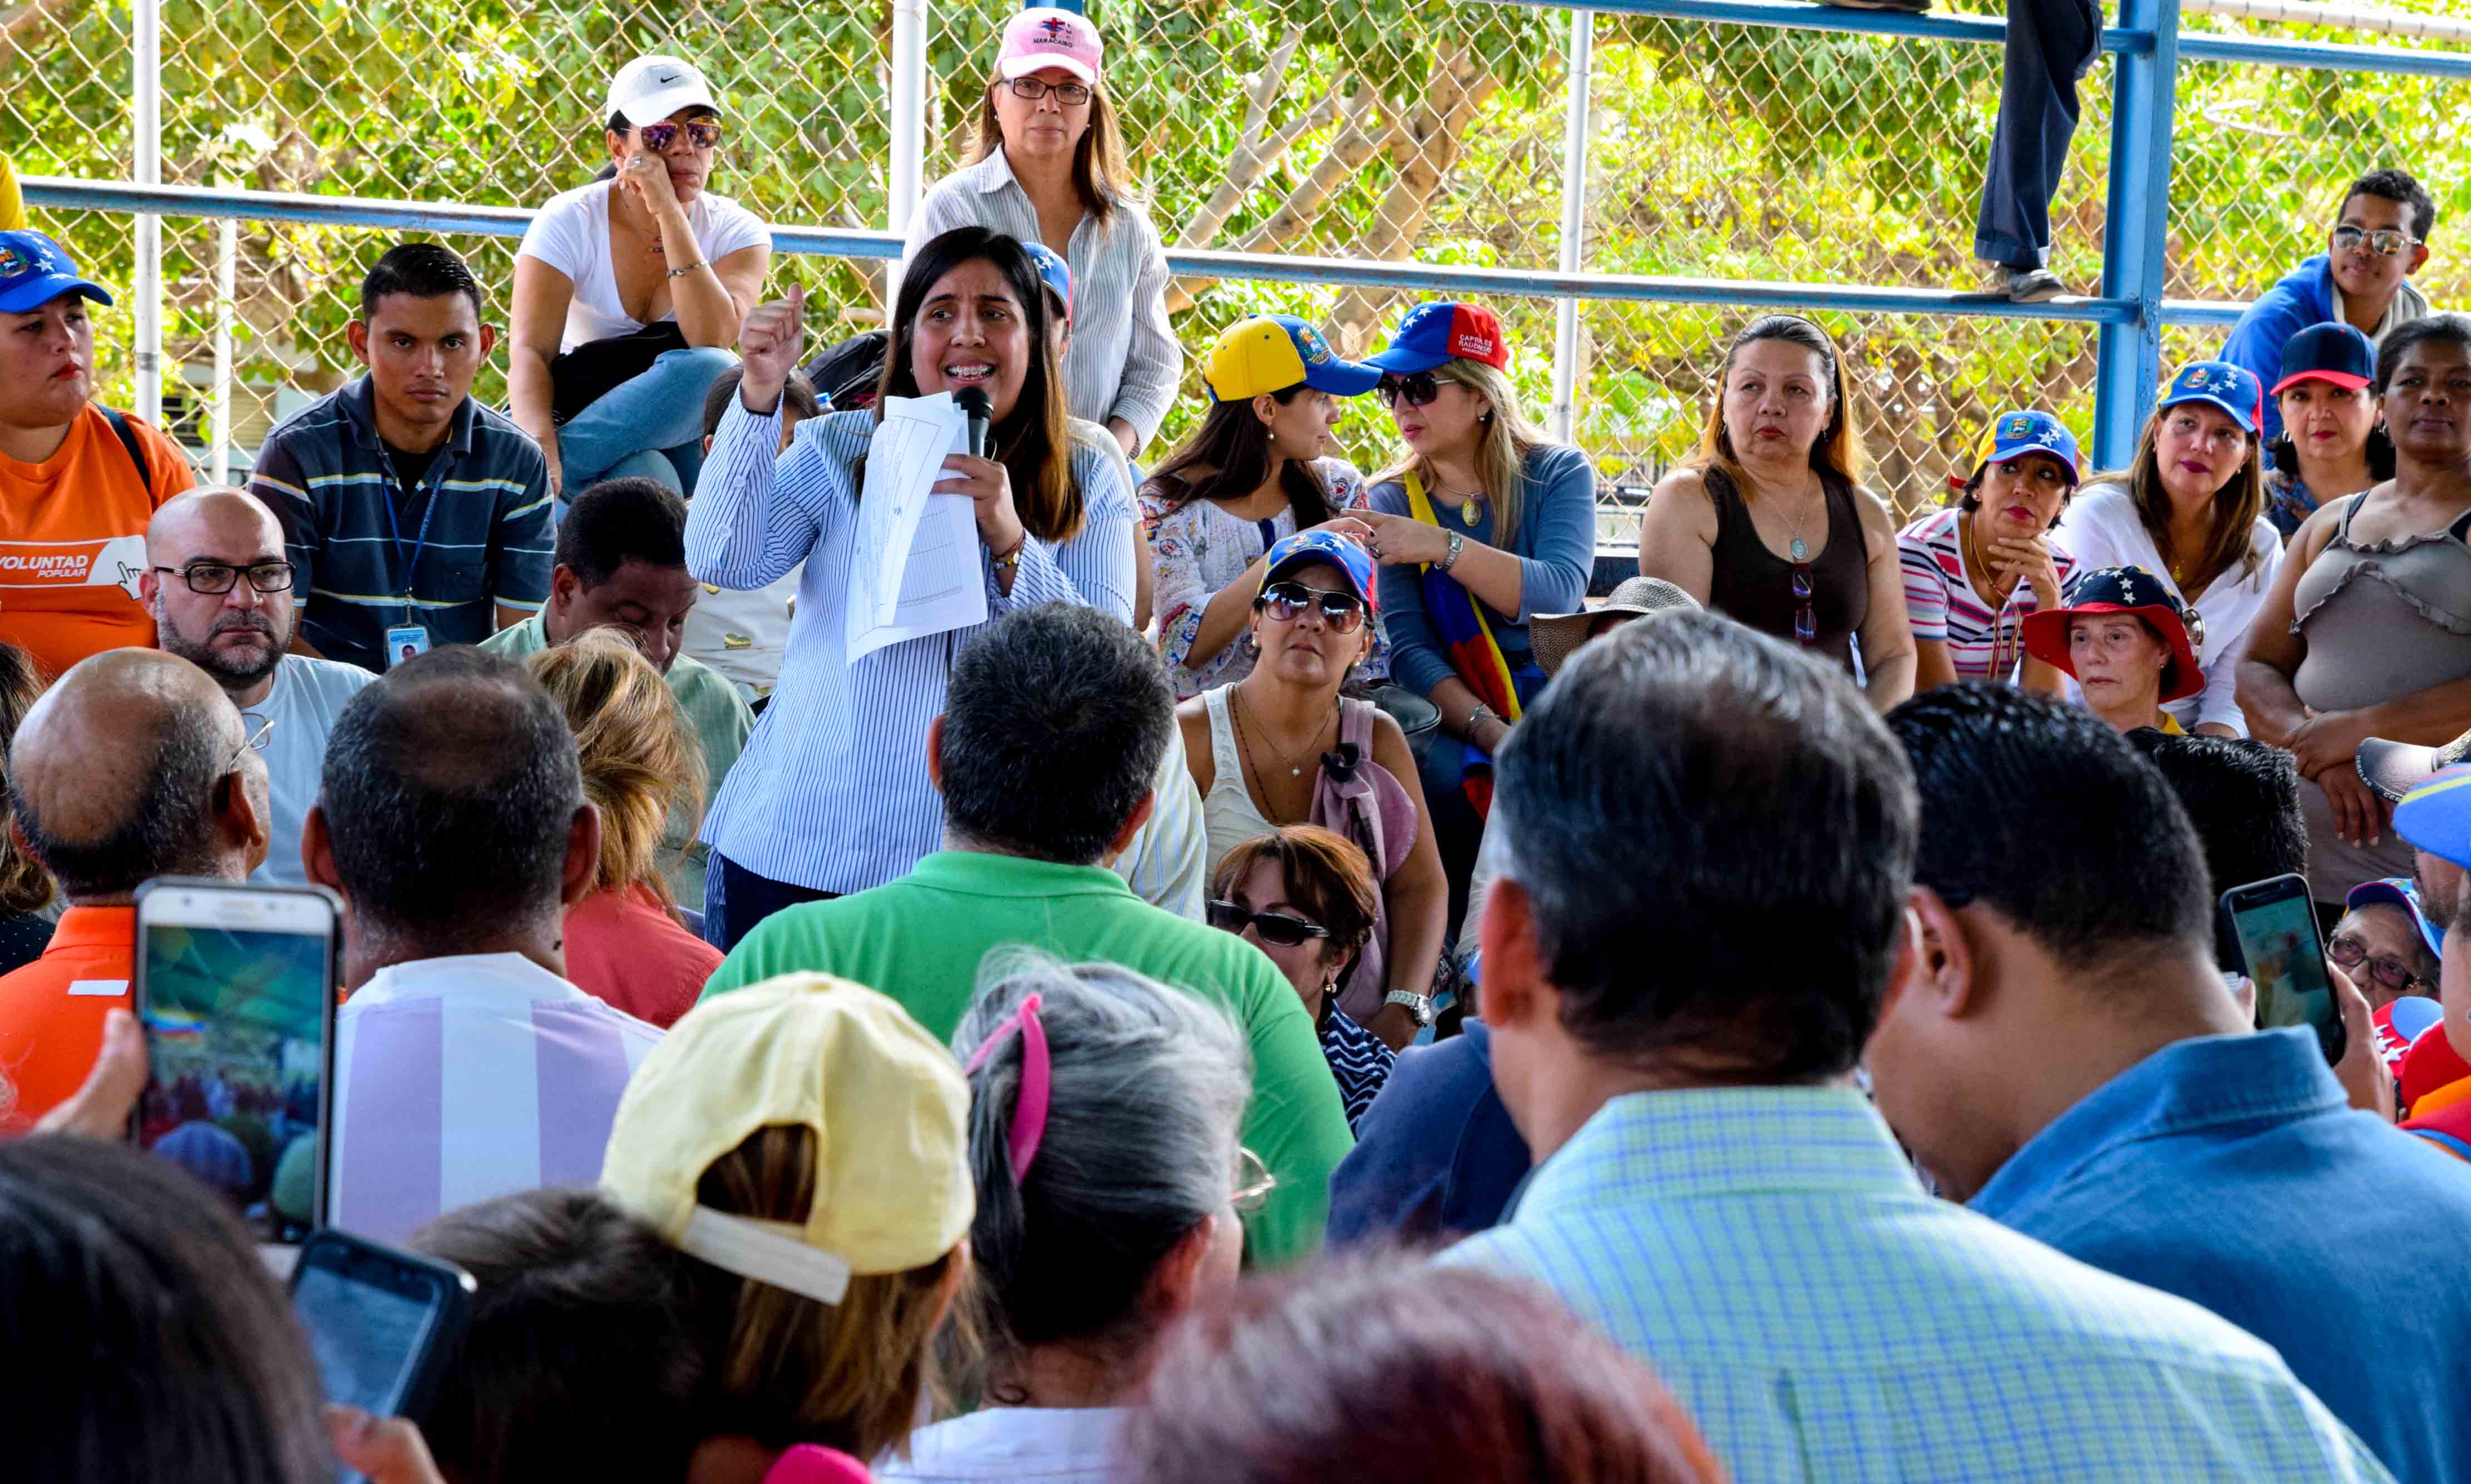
1387,130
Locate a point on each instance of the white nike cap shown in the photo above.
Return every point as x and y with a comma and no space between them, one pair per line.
650,88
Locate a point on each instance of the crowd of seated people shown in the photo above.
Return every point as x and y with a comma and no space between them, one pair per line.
1773,1023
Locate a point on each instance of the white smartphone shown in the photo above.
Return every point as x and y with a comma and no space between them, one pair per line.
235,989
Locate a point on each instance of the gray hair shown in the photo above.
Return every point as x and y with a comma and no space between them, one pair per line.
1147,1087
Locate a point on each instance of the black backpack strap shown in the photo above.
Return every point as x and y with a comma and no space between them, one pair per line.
129,441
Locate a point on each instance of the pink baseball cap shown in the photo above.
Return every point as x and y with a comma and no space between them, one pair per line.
1037,40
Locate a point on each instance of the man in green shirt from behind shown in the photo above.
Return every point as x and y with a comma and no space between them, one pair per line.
621,564
1056,718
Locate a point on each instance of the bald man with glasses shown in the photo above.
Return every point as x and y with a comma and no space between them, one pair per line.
225,598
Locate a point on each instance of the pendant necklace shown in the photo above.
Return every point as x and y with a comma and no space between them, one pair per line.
1469,508
1295,767
1799,547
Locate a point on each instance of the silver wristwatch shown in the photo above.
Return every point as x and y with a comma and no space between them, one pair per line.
1419,1006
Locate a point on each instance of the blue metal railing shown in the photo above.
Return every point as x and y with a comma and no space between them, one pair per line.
2129,313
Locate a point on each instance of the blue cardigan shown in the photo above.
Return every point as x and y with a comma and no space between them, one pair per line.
1556,546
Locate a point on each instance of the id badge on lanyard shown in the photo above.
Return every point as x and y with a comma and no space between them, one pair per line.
410,636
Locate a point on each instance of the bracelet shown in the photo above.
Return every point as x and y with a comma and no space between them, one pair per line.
681,272
1458,544
1481,712
1010,561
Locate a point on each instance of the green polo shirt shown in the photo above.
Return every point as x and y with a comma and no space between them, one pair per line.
721,722
921,939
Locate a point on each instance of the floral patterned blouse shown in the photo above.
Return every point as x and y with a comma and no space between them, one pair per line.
1200,549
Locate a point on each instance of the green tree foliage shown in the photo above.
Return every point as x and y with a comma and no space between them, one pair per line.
1384,130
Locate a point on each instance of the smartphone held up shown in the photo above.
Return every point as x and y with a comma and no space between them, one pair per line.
234,988
2274,924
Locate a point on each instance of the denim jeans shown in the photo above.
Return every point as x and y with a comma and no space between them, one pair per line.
2049,45
652,426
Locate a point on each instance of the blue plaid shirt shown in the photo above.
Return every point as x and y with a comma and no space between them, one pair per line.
1770,1253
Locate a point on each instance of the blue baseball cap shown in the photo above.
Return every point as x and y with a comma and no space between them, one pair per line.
2016,435
1432,333
1270,353
2436,816
1057,274
1305,548
2235,390
2398,891
34,271
2331,351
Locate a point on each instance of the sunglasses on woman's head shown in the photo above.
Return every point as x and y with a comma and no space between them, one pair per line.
1286,601
658,137
1418,390
1274,927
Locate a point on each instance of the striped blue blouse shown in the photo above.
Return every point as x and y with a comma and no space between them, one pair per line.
832,792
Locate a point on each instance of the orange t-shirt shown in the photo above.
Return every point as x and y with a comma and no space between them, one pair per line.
73,540
52,1009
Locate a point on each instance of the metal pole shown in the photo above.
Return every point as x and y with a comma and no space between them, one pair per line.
146,126
909,111
2136,232
227,305
1574,224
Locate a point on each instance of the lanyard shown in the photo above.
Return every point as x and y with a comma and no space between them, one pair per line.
394,533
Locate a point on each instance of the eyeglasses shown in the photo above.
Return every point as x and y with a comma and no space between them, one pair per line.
215,578
658,137
2393,973
1805,618
1254,1182
1418,390
1286,601
1274,927
2387,241
1072,95
254,742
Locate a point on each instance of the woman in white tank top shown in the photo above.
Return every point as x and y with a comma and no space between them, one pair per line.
1282,747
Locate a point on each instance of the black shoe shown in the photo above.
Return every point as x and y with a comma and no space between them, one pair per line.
2026,286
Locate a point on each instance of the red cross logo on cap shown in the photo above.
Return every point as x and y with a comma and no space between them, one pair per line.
1055,33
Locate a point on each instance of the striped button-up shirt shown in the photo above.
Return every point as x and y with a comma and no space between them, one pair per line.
1123,361
466,1077
371,554
1770,1253
832,792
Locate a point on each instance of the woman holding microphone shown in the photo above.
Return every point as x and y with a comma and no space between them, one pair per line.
832,794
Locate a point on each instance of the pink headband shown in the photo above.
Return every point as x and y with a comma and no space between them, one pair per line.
1030,1111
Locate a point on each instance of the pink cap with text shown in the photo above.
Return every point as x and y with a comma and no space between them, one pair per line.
1037,40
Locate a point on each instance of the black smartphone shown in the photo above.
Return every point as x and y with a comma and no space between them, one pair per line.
383,1322
2274,924
235,989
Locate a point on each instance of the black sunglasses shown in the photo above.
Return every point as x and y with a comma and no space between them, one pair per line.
1274,927
1805,618
1286,601
658,137
1418,390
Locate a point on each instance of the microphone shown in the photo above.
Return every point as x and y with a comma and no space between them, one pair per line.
973,402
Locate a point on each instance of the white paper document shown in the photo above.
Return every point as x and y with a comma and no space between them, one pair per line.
916,570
